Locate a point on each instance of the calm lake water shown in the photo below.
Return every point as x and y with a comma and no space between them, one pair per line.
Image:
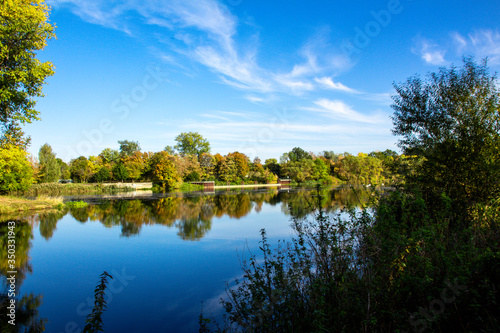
166,253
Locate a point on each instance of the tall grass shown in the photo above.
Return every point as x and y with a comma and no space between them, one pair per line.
56,189
13,205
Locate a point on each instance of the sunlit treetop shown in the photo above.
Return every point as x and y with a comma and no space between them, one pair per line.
24,30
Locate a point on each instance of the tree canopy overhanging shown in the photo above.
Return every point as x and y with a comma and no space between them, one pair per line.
24,30
452,120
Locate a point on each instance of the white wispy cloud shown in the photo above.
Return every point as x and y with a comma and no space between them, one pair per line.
246,115
337,109
205,15
235,71
319,57
295,85
207,32
480,43
459,41
431,53
268,135
255,99
381,98
328,83
213,116
310,66
105,13
434,57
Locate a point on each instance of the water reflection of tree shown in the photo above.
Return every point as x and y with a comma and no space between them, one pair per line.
48,223
27,319
234,205
302,202
194,228
23,237
192,215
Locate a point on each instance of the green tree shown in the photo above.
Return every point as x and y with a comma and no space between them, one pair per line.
128,148
360,169
298,171
135,165
50,170
65,174
120,172
24,31
452,119
192,143
391,163
102,175
241,162
321,171
80,169
272,165
298,154
170,150
14,135
163,171
226,168
109,155
330,155
207,165
16,171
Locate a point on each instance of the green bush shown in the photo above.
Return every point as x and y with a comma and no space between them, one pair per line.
76,204
406,265
16,171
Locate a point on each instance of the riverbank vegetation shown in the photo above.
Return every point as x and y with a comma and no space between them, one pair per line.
172,170
57,189
192,215
426,258
15,205
40,197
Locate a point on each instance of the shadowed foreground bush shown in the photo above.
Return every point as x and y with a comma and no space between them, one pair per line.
402,268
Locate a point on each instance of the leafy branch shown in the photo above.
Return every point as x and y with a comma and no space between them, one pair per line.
94,320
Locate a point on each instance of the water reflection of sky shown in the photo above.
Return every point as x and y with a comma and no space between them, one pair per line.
172,276
160,278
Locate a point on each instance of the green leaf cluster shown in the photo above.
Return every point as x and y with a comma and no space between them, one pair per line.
452,121
24,30
16,171
192,143
94,319
50,169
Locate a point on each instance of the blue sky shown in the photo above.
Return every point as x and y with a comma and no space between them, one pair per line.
259,77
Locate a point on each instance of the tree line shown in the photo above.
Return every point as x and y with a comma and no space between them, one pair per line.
191,161
193,215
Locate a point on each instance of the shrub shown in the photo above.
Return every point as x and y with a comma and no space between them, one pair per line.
16,171
163,171
405,266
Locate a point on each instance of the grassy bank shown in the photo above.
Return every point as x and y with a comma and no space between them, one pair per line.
56,189
14,205
187,187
